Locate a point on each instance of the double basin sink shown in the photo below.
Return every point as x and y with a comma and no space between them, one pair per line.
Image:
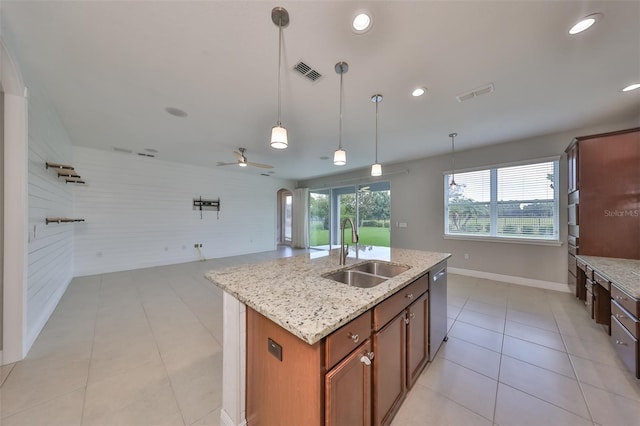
367,274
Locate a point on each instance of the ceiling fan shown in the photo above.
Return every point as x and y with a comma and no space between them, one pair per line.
243,162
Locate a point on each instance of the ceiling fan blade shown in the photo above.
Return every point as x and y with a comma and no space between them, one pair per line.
226,164
264,166
237,154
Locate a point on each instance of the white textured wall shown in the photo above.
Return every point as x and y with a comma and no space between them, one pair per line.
50,251
138,212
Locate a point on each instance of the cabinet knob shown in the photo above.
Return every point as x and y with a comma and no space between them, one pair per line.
621,342
621,298
409,296
366,358
406,320
354,337
619,316
412,315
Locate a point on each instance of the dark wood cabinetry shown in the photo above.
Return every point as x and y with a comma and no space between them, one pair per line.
603,200
417,338
389,382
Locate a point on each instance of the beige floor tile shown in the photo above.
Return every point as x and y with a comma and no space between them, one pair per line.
4,372
481,320
545,321
495,297
33,382
140,396
477,335
606,377
517,408
596,348
212,418
542,337
550,359
65,410
424,406
544,384
498,311
197,387
454,300
611,409
472,390
450,322
453,311
476,358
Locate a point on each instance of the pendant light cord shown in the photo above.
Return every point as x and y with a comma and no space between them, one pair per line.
377,102
279,65
340,129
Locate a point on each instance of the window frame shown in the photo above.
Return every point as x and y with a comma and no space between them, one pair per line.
553,240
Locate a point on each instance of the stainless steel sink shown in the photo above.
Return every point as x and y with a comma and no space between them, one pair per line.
355,278
368,274
383,269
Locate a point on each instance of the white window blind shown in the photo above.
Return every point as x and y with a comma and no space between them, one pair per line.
504,202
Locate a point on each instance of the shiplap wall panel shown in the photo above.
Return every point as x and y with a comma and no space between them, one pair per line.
139,212
50,248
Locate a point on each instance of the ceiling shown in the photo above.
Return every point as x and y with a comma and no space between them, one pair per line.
110,69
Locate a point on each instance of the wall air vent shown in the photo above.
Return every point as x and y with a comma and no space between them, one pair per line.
306,71
475,93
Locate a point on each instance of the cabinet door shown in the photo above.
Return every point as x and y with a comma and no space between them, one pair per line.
417,338
348,390
389,370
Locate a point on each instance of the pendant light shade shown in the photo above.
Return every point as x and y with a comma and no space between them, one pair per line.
376,168
453,184
279,139
340,156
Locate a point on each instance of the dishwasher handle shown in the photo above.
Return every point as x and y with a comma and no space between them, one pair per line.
439,274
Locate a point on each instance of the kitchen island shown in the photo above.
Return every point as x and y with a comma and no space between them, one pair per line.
297,303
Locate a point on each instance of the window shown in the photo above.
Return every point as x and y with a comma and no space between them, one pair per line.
507,202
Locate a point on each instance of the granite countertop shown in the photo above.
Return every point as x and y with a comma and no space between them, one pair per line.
625,273
292,293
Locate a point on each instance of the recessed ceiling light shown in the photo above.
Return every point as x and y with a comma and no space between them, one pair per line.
631,87
176,112
585,23
418,91
361,22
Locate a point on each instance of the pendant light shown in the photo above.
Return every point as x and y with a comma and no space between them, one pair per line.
453,183
279,140
340,156
376,168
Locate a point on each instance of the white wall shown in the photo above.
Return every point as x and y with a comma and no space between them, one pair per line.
50,251
417,199
138,212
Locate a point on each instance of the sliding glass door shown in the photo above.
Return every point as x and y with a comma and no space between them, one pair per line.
367,205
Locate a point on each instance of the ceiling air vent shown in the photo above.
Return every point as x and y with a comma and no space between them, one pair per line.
306,71
475,93
126,151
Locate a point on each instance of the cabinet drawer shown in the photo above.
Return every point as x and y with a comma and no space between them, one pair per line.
574,197
387,310
573,240
625,345
345,339
580,264
588,301
572,249
574,230
589,272
629,321
574,214
601,280
626,301
572,265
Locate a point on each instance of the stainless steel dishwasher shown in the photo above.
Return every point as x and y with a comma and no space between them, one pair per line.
437,309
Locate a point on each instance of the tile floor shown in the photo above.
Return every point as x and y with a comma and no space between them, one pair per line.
144,348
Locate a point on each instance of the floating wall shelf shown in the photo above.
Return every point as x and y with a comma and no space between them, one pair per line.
67,172
62,220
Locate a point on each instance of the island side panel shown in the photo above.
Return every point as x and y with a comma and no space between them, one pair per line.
287,391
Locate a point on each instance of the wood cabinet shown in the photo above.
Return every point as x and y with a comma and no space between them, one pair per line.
401,346
603,199
348,389
625,328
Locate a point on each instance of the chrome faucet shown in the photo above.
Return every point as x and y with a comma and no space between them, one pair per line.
354,239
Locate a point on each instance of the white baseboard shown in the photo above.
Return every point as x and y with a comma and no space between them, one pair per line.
33,334
225,419
547,285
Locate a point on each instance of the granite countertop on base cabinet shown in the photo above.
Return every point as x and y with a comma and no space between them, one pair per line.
624,273
292,292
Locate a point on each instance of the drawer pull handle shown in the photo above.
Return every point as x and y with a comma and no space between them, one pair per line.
412,315
354,337
621,298
621,342
620,316
410,296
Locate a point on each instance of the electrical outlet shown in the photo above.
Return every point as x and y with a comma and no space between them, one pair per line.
196,245
200,245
